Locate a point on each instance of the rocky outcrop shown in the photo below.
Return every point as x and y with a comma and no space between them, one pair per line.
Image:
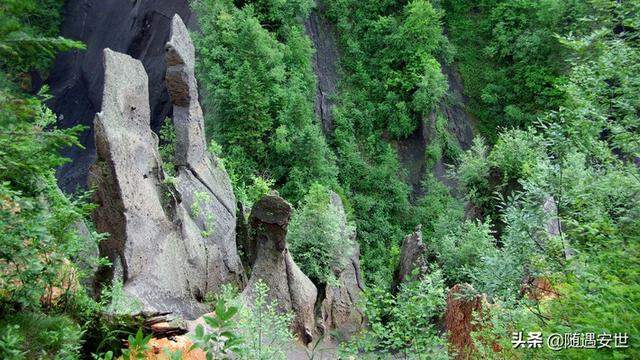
137,28
325,63
339,310
459,124
172,240
413,255
203,185
288,286
463,303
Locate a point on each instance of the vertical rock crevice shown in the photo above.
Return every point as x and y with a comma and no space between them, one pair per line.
325,64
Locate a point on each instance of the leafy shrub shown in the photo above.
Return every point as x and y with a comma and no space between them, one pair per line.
516,154
218,340
405,323
462,250
137,346
167,146
31,335
258,331
264,328
318,240
473,172
115,301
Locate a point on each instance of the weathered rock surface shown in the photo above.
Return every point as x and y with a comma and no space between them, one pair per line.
274,266
462,302
413,255
171,241
460,124
339,310
325,63
137,28
202,184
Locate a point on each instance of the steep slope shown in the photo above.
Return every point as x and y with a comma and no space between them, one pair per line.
325,63
459,124
136,28
411,150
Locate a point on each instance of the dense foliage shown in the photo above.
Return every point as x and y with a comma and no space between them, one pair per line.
510,56
392,81
548,192
260,90
579,158
319,238
47,247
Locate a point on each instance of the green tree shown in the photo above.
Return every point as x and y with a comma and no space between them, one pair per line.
259,89
318,240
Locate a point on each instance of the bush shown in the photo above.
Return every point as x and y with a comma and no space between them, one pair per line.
516,154
462,250
319,241
403,324
258,91
263,328
32,335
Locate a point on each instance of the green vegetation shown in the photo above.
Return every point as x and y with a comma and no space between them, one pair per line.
220,341
39,240
31,335
259,89
264,327
548,191
576,157
510,57
45,235
392,80
138,346
404,323
317,240
553,86
255,331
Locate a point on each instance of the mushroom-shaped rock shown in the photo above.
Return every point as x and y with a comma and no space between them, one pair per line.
288,285
413,255
339,311
171,240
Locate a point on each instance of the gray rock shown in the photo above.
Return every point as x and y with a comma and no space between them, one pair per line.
339,310
325,63
460,124
288,286
172,240
553,226
137,28
413,255
203,185
144,243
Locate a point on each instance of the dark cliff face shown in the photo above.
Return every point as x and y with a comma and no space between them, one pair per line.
460,124
135,27
325,63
